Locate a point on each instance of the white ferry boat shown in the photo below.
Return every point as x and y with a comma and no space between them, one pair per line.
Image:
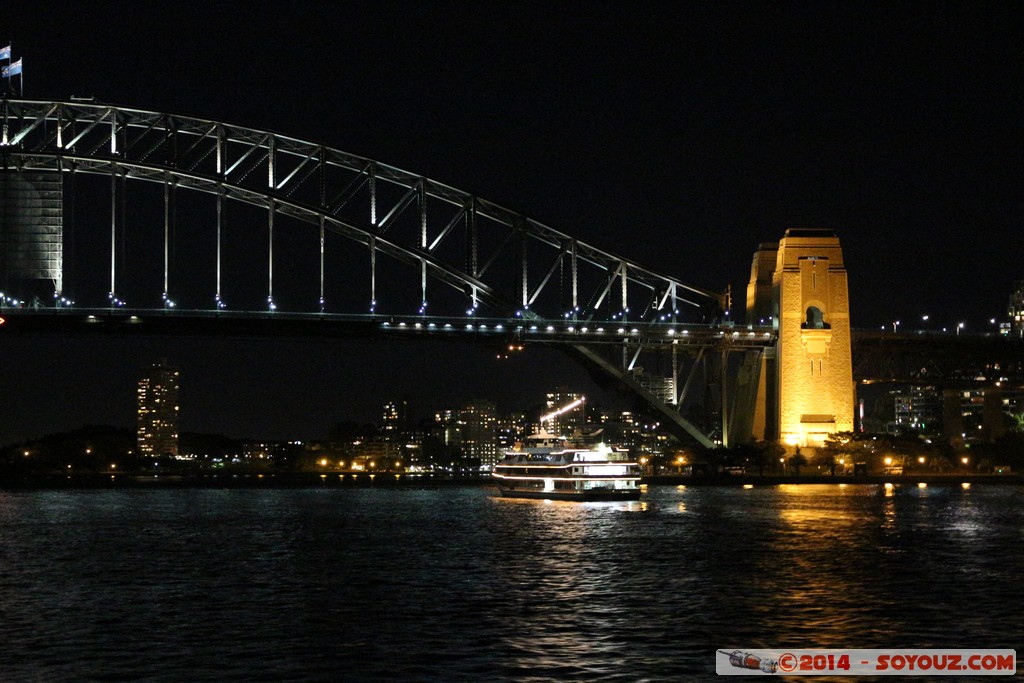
547,467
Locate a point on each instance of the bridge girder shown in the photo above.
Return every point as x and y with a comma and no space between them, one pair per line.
937,359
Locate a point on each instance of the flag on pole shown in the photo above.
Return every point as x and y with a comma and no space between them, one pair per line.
5,52
13,70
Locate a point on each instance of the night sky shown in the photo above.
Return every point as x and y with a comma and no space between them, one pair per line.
680,135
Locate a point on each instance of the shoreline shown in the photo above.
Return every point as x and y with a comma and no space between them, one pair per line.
426,480
875,479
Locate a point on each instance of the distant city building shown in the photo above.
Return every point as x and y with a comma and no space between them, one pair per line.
509,429
479,432
394,420
158,410
376,455
1015,311
980,414
448,426
917,409
260,450
564,413
971,415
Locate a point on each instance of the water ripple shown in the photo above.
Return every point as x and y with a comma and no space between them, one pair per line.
457,584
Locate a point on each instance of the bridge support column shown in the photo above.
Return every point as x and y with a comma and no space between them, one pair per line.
808,387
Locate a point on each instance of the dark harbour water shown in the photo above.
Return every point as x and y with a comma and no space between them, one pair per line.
455,584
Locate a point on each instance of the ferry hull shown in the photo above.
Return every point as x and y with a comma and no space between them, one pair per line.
591,495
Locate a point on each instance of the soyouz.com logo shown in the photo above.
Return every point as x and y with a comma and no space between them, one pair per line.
893,662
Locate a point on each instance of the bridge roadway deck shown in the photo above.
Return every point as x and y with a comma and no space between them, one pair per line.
60,321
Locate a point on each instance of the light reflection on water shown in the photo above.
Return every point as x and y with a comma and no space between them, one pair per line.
459,584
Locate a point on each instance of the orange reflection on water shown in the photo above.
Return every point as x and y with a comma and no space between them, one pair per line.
818,526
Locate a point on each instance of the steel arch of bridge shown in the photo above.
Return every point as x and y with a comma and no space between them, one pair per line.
501,263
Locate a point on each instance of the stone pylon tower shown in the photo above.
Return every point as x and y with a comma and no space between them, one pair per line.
806,389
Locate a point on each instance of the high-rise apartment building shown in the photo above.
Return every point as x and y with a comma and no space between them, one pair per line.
158,410
479,432
394,419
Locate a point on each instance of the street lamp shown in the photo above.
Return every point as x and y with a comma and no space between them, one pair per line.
895,324
959,326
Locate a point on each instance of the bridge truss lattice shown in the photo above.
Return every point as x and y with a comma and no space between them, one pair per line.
285,227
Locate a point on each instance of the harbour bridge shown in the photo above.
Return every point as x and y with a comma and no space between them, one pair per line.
129,221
